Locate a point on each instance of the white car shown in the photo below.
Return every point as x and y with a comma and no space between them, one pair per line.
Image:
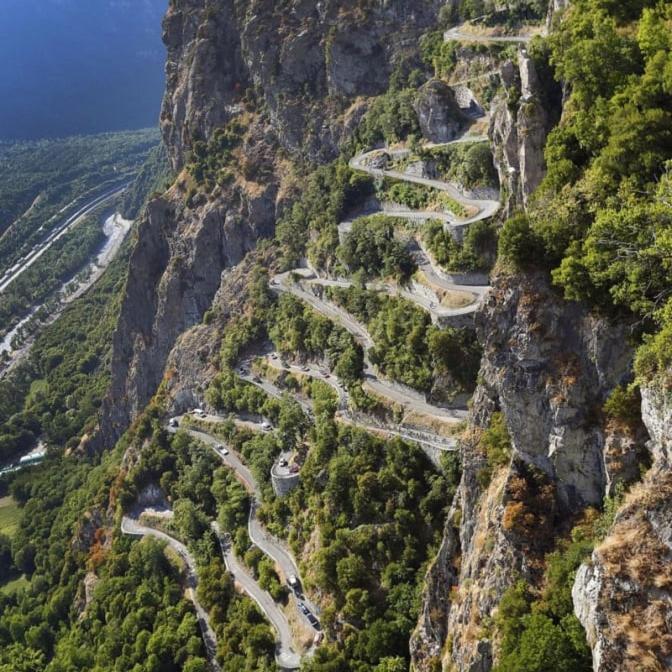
266,426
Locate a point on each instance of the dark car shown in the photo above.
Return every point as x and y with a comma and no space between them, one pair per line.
314,622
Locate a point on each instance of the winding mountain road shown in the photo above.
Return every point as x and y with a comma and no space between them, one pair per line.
268,544
458,34
410,399
485,208
286,657
132,527
426,439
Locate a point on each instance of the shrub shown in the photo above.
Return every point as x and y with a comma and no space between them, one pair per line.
519,244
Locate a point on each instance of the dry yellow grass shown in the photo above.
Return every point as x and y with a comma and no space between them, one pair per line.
634,556
448,298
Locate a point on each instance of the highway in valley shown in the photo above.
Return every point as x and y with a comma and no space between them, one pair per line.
28,260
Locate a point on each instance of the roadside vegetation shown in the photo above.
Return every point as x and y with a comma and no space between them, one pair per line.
420,197
310,226
476,252
374,248
407,347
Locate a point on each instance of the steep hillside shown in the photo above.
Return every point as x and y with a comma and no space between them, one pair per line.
389,384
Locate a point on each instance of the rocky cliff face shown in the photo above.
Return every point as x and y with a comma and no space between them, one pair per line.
623,595
307,62
548,367
303,71
175,271
519,124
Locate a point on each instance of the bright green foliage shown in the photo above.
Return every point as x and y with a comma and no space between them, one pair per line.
473,254
137,620
625,259
420,197
390,118
496,442
654,358
296,328
371,246
518,244
243,330
376,505
602,213
624,405
210,162
439,54
228,392
326,194
469,164
407,347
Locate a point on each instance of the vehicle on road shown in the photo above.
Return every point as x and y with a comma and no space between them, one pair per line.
305,369
283,462
174,422
266,426
199,412
304,608
313,621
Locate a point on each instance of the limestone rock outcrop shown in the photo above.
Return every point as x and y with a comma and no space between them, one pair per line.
519,124
623,594
175,270
303,71
438,113
548,365
307,63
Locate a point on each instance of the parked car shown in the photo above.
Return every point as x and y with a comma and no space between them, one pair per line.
174,422
283,462
313,621
304,609
266,426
